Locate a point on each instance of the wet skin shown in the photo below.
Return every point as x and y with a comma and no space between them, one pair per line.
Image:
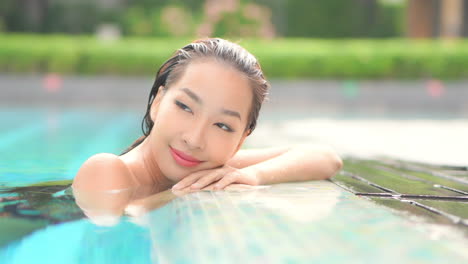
199,126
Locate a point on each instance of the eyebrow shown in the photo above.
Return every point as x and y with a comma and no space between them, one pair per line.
231,113
192,95
197,99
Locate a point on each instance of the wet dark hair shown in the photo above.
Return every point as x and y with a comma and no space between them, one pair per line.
211,48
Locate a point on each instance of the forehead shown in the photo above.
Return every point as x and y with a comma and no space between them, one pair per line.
218,85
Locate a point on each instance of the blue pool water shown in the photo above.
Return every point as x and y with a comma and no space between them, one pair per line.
50,144
285,223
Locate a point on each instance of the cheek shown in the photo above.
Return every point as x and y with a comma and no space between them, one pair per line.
169,120
222,148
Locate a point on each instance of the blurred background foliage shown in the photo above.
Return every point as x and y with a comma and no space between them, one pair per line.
223,18
316,39
305,58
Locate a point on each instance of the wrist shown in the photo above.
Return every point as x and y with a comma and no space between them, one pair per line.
253,174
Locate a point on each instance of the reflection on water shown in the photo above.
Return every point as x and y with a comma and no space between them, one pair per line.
298,222
293,201
105,207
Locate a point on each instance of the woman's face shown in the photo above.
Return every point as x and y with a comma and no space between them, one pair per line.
200,121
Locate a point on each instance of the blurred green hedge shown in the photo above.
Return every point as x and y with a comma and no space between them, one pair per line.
280,58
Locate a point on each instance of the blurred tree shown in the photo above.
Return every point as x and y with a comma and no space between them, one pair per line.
235,18
23,15
420,18
74,17
234,24
162,17
251,18
437,18
336,18
176,21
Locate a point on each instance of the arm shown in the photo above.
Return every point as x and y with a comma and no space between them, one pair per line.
292,164
268,166
248,157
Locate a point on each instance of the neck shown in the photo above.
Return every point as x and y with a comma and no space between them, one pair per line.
145,169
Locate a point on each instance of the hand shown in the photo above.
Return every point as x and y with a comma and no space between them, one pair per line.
217,179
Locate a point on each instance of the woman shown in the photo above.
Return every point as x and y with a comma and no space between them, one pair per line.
203,104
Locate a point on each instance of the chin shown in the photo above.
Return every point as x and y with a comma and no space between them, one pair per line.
177,174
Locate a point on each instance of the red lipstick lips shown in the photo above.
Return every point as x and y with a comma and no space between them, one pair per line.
183,159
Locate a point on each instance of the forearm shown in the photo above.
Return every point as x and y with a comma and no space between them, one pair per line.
297,164
267,166
248,157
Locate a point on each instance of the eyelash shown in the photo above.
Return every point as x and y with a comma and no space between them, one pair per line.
183,107
227,128
187,109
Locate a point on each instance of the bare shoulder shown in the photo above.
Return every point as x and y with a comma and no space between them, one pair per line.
103,171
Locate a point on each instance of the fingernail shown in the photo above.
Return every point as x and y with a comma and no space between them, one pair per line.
217,187
195,185
176,187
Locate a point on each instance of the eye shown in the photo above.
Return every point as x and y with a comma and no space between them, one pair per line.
224,127
183,106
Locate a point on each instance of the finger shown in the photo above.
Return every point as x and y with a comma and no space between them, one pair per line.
225,181
206,180
209,187
187,181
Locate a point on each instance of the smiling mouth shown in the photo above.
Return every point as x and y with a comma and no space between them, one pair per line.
183,159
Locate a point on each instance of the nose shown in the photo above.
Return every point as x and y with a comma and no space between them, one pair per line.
194,136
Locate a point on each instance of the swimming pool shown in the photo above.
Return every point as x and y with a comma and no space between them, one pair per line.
285,223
